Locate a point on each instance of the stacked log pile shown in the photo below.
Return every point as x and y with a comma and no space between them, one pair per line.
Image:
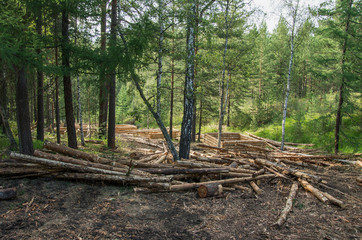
211,170
155,133
125,128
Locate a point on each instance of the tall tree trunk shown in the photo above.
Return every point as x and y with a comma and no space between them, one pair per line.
200,117
78,95
222,82
172,69
186,126
103,83
57,114
197,18
342,86
22,113
3,110
80,114
295,12
172,93
160,53
228,112
68,96
40,80
112,85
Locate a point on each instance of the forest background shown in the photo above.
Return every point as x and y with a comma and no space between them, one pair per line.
87,61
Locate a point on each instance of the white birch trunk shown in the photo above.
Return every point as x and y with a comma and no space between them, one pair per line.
295,11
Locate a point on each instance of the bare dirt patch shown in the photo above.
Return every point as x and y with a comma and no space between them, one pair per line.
48,208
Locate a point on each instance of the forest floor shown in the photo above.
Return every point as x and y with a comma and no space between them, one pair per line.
48,208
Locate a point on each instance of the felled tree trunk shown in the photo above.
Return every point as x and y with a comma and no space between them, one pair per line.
8,193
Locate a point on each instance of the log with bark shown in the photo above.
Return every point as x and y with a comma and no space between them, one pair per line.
208,190
169,171
86,169
7,193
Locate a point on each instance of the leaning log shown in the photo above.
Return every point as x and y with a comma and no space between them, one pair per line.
209,190
7,193
290,171
288,205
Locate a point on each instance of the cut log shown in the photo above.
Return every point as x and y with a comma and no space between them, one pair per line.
22,171
195,164
255,187
288,205
65,159
208,190
161,159
233,165
212,147
79,168
186,186
77,153
334,200
318,194
168,171
259,172
154,181
287,170
242,188
7,193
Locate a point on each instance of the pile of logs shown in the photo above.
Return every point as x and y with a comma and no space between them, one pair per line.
125,128
210,170
237,142
155,133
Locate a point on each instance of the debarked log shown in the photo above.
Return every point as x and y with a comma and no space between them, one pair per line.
186,186
318,194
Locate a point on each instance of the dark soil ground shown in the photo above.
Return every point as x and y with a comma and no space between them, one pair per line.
48,208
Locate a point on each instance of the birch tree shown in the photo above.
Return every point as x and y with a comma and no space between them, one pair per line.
293,7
